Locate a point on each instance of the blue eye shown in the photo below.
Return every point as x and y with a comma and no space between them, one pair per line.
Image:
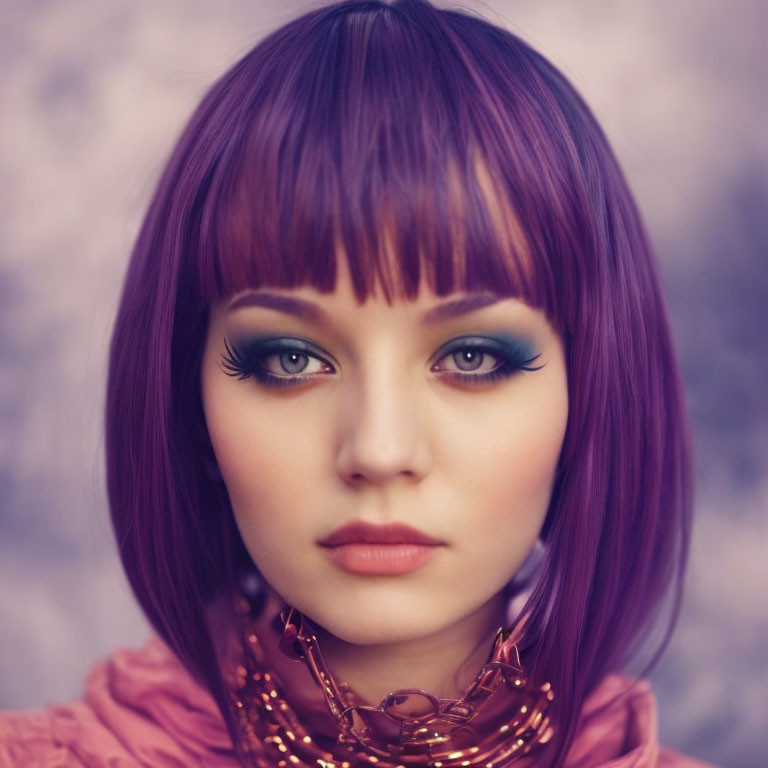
294,357
252,358
470,353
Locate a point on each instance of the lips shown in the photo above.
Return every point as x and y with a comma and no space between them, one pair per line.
394,549
359,532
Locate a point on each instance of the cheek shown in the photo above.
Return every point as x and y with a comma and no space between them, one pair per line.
508,469
524,458
262,491
268,458
250,454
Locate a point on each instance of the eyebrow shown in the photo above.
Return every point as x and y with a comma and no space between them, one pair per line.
311,312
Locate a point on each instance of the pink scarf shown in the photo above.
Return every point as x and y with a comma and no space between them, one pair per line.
142,708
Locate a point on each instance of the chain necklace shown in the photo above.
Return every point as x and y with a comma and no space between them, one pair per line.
410,728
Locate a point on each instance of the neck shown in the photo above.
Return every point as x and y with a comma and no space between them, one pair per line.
443,664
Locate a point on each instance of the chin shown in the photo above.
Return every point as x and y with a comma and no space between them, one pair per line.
380,622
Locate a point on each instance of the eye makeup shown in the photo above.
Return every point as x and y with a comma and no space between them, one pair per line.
514,354
247,357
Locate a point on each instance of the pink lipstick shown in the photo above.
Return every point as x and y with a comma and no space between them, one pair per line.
393,549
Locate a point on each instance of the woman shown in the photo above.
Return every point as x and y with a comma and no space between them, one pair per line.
396,451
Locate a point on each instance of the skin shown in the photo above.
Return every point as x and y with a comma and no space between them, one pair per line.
381,433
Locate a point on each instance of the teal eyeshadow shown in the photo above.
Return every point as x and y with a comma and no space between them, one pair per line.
516,346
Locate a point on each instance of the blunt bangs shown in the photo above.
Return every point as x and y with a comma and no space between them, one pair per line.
400,160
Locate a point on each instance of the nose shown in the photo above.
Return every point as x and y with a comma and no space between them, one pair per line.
383,433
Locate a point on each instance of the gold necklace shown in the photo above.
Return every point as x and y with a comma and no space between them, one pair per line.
410,728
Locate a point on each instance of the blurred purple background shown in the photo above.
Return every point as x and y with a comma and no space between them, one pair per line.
93,96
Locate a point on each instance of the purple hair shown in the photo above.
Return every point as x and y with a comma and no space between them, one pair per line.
417,143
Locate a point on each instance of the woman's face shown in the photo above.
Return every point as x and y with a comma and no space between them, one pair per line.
379,414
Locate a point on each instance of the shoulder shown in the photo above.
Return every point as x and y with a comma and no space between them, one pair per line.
619,729
140,707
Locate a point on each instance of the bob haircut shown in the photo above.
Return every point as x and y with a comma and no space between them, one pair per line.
417,143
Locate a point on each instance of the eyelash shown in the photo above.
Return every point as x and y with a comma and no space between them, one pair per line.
244,363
